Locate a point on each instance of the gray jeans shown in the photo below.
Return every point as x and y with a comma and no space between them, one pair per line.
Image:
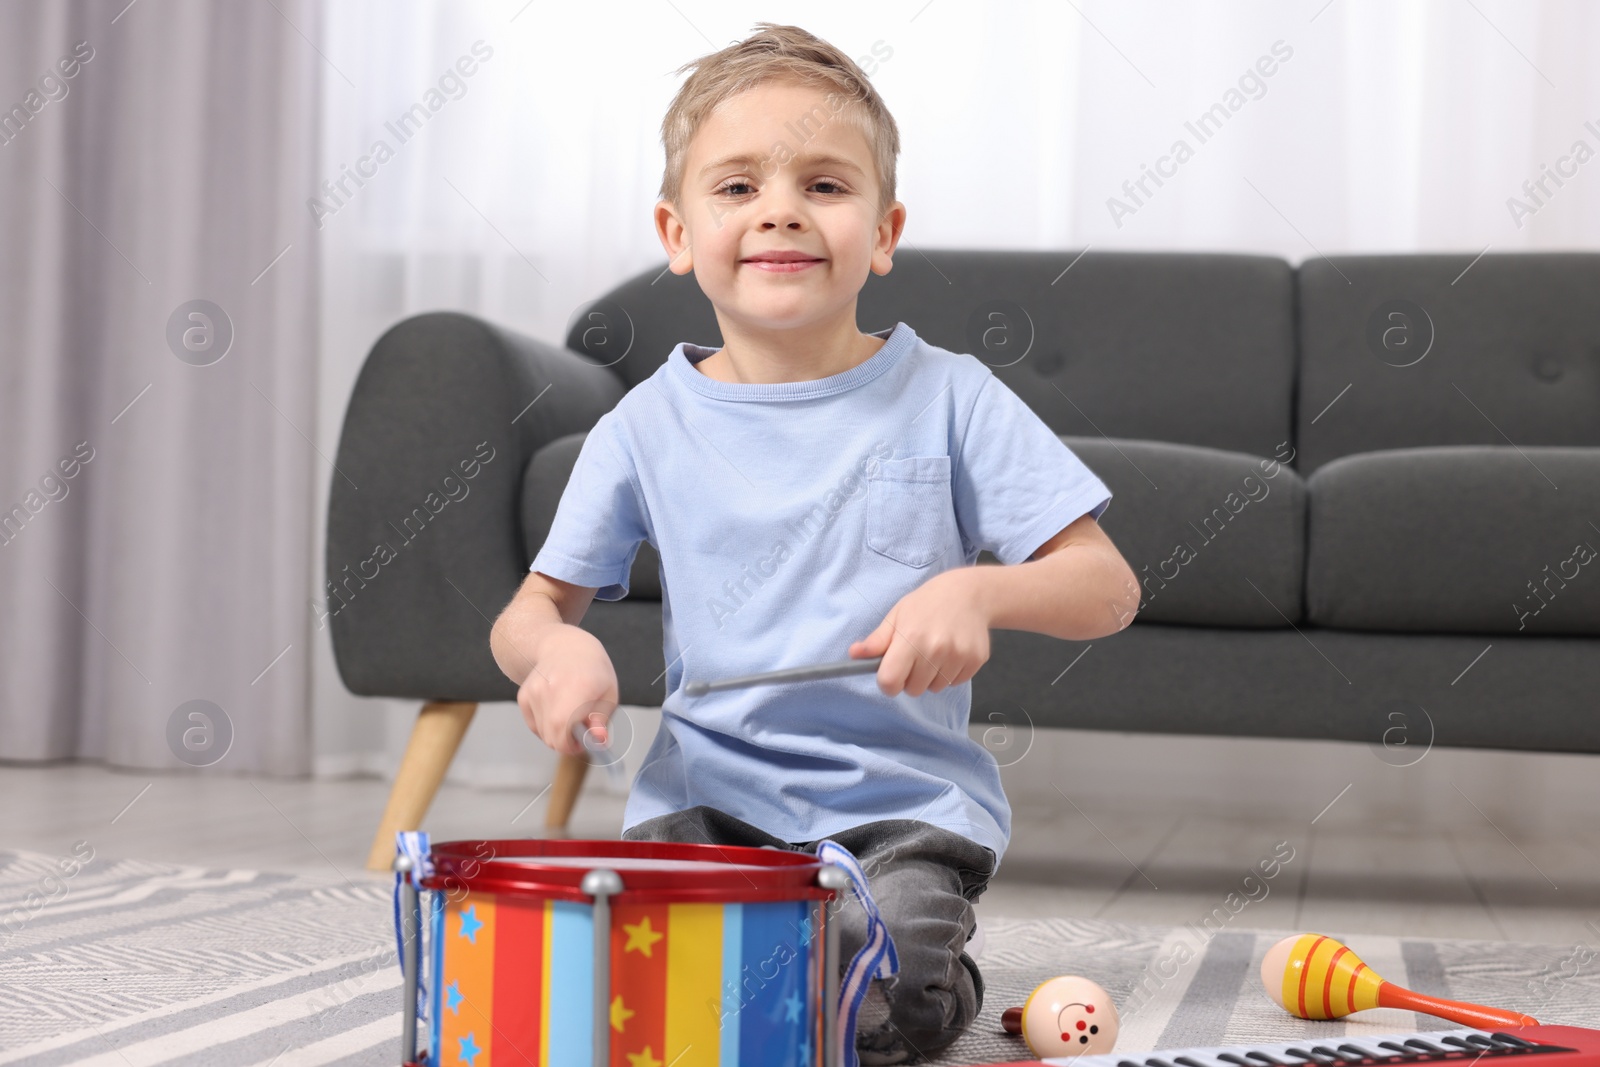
924,880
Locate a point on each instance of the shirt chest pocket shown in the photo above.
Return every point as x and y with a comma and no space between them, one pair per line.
910,512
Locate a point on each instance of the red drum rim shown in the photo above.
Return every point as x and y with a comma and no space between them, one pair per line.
513,868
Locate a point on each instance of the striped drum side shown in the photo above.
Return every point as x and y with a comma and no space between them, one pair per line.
692,984
515,977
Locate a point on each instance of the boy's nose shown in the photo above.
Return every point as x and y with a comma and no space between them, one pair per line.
781,208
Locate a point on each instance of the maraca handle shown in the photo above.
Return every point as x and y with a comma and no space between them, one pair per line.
1011,1020
1393,996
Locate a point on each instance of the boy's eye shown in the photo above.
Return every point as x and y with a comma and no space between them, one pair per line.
737,187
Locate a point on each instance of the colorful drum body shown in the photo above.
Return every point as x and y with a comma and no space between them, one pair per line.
708,956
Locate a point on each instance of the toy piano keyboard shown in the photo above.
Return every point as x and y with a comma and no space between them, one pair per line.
1547,1046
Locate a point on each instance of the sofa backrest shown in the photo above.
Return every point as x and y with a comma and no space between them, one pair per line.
1401,351
1344,355
1189,348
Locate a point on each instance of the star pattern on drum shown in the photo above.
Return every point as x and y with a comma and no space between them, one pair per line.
804,929
619,1014
791,1006
643,1059
470,923
641,936
469,1049
453,998
805,1049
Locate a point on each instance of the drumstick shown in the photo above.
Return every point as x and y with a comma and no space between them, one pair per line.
789,674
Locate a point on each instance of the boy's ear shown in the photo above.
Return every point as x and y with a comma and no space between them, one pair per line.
674,237
890,226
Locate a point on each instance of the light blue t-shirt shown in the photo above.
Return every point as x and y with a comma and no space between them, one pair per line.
790,518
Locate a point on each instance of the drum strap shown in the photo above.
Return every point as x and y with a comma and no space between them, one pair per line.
875,959
413,843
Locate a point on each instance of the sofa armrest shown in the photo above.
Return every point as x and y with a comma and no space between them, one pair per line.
424,541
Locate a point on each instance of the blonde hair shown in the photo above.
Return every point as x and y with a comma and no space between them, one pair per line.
777,53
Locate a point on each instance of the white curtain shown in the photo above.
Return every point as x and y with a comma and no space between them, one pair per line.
1318,128
155,508
1380,127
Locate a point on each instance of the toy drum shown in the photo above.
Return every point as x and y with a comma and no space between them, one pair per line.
570,953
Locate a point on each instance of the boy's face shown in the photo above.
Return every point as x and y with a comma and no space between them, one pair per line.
752,188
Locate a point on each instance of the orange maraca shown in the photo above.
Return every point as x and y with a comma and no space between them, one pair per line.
1317,977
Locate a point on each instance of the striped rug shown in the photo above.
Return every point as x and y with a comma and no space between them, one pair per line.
129,964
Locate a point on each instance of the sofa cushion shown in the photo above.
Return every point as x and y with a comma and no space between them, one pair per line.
1214,537
1457,540
543,482
1393,697
1195,348
1423,351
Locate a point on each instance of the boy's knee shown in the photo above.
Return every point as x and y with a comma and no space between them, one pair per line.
924,1015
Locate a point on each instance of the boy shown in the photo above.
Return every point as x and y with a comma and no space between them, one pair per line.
816,492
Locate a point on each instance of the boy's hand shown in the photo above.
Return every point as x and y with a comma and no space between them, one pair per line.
573,683
936,636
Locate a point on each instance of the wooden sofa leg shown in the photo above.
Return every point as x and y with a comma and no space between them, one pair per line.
434,739
564,794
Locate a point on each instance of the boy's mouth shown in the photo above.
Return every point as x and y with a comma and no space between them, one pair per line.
782,262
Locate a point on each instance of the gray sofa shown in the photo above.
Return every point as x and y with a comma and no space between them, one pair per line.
1339,483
